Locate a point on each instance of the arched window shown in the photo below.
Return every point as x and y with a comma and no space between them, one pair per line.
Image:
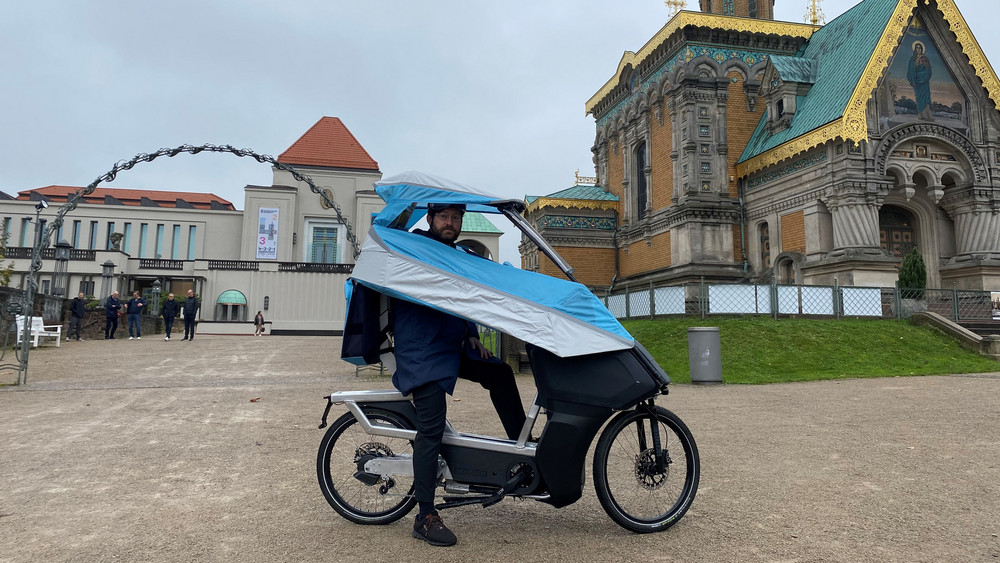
764,237
752,4
231,306
641,196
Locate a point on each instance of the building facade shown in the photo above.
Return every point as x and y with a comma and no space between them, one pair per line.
742,148
286,253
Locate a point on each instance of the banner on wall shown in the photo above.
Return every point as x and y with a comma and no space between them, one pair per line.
267,233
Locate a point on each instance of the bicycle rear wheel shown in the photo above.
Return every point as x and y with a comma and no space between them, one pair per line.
638,491
361,497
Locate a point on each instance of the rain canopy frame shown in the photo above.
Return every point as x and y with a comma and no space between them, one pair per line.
561,316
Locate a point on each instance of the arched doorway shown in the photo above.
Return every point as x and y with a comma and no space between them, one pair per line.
895,230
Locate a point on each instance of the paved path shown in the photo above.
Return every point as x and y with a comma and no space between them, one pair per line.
158,451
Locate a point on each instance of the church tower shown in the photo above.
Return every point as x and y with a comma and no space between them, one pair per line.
757,9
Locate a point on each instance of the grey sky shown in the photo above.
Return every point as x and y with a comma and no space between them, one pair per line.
489,94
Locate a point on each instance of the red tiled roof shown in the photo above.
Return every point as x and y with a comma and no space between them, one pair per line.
129,197
329,144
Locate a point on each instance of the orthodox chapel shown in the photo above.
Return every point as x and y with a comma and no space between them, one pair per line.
732,147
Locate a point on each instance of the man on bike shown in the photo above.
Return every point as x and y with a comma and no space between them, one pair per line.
433,349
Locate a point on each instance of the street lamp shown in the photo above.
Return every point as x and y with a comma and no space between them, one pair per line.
29,292
156,297
60,277
107,270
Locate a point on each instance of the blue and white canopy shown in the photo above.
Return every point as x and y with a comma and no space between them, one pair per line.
560,316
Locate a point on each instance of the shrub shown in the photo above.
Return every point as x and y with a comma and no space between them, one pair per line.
912,276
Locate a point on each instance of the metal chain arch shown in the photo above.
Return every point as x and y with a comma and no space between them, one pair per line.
56,223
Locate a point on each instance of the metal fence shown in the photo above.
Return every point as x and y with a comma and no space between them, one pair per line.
830,301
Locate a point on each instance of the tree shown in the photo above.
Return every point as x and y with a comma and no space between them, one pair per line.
8,269
913,275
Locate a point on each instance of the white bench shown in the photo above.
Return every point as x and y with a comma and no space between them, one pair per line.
39,330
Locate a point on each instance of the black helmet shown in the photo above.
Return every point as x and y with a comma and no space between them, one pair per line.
433,208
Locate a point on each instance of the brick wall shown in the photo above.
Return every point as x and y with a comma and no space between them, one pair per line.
591,266
793,232
740,124
661,141
642,257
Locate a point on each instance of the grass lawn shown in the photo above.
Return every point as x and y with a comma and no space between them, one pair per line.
763,350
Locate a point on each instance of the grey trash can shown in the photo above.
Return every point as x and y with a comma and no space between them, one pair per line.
704,355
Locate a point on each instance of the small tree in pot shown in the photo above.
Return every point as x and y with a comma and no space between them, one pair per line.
912,276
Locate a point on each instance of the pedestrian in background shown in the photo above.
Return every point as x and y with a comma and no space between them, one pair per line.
77,309
169,311
191,305
112,308
258,324
134,310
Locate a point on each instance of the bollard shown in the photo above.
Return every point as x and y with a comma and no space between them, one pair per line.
704,355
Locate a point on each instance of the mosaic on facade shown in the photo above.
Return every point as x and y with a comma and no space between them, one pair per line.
920,84
570,222
792,168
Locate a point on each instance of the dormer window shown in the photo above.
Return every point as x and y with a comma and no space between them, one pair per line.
780,107
788,79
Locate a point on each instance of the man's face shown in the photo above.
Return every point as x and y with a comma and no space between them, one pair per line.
115,294
170,297
135,294
80,295
190,293
447,224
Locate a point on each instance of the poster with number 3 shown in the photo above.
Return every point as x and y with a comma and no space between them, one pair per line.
267,233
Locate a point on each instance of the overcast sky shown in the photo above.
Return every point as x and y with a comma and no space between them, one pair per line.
489,94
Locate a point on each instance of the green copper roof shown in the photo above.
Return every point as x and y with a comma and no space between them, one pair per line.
473,222
232,296
794,69
840,52
578,192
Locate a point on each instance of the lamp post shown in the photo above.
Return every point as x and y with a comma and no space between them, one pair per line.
29,293
107,270
60,278
156,297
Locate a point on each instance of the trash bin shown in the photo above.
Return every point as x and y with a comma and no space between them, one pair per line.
704,356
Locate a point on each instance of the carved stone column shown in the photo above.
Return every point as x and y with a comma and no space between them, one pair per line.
976,213
854,211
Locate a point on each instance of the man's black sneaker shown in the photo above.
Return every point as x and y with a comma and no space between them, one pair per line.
432,530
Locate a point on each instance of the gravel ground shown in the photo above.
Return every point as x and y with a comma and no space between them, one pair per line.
183,451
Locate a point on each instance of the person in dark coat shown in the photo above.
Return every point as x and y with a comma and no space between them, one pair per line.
169,310
77,309
258,324
191,305
432,350
112,308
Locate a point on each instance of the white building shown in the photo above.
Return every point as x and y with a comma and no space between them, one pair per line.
284,254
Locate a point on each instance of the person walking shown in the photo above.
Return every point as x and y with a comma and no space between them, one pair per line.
77,309
190,308
134,310
112,309
258,324
169,310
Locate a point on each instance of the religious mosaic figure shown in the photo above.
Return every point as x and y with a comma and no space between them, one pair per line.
919,76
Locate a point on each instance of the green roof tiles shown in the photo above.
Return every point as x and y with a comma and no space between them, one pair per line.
840,52
578,192
794,69
473,222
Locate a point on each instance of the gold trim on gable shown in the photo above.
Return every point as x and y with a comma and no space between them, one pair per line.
787,150
853,125
685,18
578,203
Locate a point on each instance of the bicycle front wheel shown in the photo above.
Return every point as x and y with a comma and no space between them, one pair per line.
640,492
361,497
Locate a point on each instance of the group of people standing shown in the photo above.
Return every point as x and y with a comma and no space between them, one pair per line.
113,309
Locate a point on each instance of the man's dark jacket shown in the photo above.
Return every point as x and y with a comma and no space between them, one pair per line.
427,343
132,307
111,306
191,305
169,309
77,308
